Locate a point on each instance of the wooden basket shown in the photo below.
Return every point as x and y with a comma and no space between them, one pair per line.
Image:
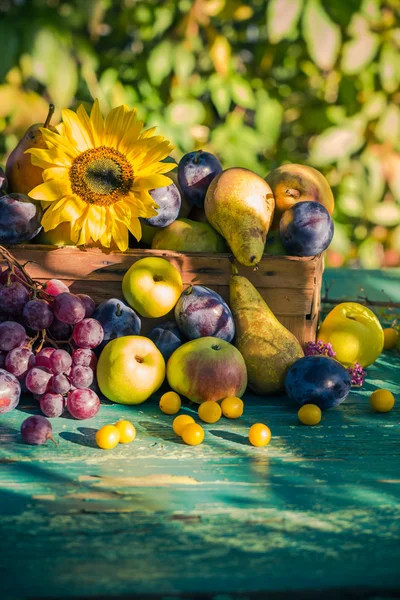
291,286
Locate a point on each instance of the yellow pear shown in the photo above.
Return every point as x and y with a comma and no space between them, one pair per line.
268,348
22,175
240,206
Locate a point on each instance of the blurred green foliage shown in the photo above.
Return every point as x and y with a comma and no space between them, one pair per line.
260,83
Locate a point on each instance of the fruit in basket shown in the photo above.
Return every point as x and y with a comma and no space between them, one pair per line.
117,319
10,391
268,348
20,219
22,175
198,214
3,182
184,235
130,370
152,286
306,229
167,337
354,332
148,233
273,244
296,183
59,236
196,170
168,199
201,312
318,380
207,368
239,205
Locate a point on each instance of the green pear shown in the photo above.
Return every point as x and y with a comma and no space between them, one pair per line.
240,206
268,348
184,235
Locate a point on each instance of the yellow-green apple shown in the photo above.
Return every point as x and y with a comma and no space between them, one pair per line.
130,369
152,286
293,183
354,332
207,368
59,236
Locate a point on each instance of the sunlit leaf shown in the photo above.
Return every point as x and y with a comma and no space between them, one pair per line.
220,53
371,9
185,113
384,213
389,68
392,171
282,18
242,93
350,205
375,182
359,52
159,63
371,254
163,19
184,61
321,34
268,118
388,126
335,143
220,94
375,105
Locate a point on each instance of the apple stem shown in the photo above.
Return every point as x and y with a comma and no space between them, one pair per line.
216,347
196,157
49,116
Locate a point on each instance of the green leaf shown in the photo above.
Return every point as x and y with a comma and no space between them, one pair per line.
163,19
321,35
389,68
371,9
184,62
359,52
370,252
220,93
282,18
374,106
335,143
375,182
268,118
350,205
392,170
159,63
384,213
9,48
185,113
388,126
241,92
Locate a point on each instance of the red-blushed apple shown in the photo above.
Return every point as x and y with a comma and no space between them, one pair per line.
207,368
130,369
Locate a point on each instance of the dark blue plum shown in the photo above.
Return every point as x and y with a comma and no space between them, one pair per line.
196,170
20,219
306,229
169,200
167,337
117,320
201,312
318,380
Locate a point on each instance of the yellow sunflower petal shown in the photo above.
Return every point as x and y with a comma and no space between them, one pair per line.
51,190
141,204
54,173
69,208
97,121
114,127
58,142
84,234
77,225
48,158
74,130
148,133
120,234
105,239
150,182
159,167
96,221
130,136
85,122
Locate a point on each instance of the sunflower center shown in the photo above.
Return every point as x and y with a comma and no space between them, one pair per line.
101,176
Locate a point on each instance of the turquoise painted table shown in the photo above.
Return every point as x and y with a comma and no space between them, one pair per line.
315,514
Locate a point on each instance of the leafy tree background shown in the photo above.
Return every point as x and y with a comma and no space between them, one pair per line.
260,83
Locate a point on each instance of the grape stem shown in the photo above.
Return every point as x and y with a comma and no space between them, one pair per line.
13,264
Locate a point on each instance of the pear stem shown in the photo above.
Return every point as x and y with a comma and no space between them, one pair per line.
49,116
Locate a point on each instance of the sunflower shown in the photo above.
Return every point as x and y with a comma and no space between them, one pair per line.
98,173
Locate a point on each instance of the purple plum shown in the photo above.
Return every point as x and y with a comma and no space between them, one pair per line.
167,337
117,320
169,200
20,218
201,312
306,229
196,170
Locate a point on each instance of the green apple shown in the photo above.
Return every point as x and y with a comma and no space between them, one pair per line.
207,368
354,332
152,286
130,369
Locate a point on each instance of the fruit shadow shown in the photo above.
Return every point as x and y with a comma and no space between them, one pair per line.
86,437
158,430
230,437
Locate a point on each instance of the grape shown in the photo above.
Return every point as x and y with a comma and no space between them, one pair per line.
38,315
60,384
36,430
20,218
10,391
68,308
88,333
13,298
60,331
60,362
54,287
89,304
52,405
84,357
11,335
19,361
43,358
83,404
7,276
2,359
37,379
81,377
